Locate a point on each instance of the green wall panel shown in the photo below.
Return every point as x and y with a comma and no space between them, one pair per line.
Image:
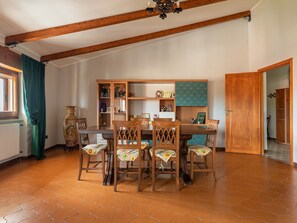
191,94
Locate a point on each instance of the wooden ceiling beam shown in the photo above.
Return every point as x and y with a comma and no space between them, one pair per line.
96,23
144,37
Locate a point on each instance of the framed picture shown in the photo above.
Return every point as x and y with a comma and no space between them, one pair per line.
145,115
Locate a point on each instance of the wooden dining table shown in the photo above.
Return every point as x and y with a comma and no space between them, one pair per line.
186,133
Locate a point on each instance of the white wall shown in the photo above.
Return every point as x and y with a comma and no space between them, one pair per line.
276,79
273,38
208,53
52,98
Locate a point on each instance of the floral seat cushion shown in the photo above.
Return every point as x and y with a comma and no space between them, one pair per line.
127,154
163,154
94,149
200,150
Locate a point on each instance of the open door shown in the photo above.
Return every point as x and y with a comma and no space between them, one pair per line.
243,113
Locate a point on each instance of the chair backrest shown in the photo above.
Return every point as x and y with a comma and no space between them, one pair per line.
143,121
211,139
83,137
127,134
201,117
166,135
163,119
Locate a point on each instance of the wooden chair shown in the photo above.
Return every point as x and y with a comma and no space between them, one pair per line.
163,119
202,151
127,148
89,150
144,121
165,148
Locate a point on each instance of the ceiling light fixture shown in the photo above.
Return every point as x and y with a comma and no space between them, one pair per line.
164,6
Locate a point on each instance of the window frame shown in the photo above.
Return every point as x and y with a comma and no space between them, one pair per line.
11,114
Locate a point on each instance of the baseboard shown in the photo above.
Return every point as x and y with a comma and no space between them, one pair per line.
295,165
220,149
57,146
15,160
20,158
62,146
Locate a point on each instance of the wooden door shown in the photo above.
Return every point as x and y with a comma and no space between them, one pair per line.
288,115
283,115
243,113
280,116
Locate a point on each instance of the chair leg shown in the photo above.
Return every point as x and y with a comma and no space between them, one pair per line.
139,172
88,163
115,173
153,173
205,162
147,158
214,175
213,167
149,162
103,162
192,164
80,166
177,174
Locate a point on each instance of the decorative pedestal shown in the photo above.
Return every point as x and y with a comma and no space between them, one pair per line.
69,127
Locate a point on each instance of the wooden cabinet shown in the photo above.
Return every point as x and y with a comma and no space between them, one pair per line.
283,115
111,103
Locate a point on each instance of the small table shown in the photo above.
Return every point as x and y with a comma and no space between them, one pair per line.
186,132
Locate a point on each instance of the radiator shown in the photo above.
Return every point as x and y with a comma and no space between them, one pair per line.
9,141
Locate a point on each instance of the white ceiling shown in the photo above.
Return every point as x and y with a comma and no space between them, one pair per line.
18,16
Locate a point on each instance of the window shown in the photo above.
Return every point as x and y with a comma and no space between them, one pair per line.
8,96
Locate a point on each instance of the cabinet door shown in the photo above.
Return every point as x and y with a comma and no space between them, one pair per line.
104,104
191,93
119,101
112,102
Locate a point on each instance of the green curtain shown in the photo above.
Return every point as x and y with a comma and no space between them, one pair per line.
34,102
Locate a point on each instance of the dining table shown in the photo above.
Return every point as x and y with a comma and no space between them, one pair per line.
186,133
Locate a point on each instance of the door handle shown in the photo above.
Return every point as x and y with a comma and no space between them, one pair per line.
227,111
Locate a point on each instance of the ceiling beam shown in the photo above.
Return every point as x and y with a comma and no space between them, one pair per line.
96,23
144,37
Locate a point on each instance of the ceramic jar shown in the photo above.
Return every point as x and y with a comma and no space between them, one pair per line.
69,127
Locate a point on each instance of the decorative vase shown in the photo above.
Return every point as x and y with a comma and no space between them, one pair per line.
69,127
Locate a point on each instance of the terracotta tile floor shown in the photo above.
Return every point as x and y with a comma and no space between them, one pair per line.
249,189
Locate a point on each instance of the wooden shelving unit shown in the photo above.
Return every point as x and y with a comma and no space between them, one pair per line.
151,98
144,99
